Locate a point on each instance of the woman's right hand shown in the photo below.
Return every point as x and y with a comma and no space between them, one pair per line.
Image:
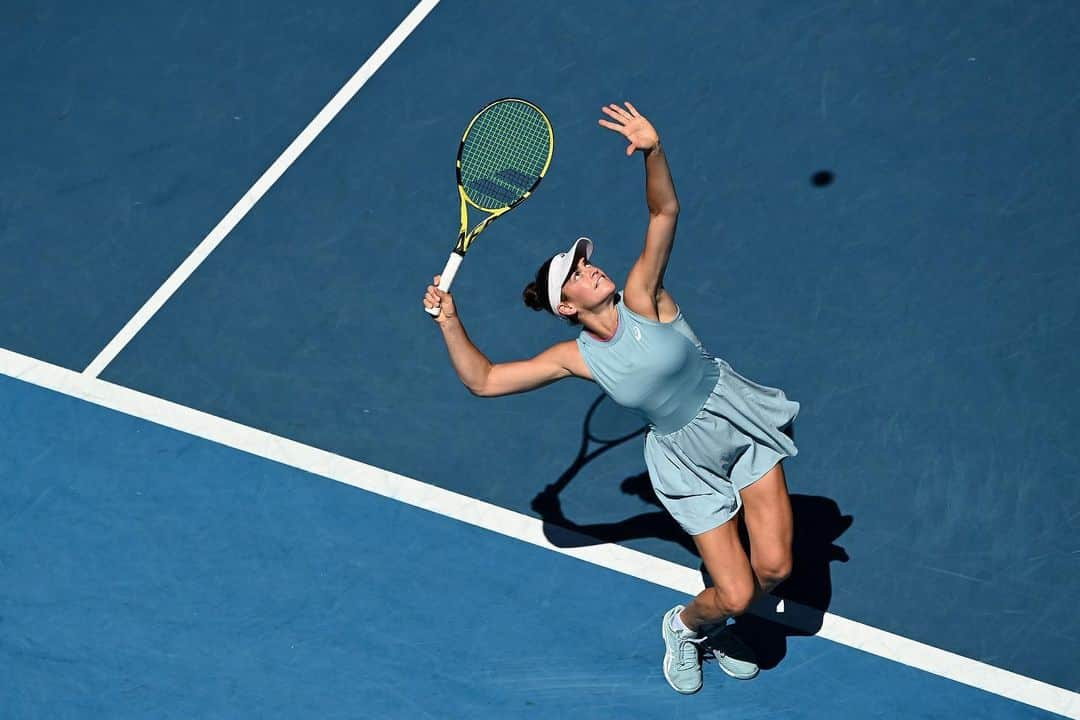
436,298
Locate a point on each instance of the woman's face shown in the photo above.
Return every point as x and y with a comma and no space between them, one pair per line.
587,286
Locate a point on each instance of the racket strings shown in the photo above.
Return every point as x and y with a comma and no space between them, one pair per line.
507,156
514,136
504,154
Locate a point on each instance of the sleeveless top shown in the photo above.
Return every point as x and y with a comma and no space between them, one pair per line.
661,370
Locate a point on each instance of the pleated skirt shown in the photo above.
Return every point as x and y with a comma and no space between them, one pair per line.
740,433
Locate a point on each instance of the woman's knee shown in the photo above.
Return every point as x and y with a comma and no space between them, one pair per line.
773,570
733,598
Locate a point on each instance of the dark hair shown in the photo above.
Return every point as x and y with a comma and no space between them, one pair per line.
536,297
532,298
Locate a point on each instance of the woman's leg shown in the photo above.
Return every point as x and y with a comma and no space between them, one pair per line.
734,585
769,523
739,579
733,590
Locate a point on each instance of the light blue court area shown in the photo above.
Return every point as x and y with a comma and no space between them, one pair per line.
144,572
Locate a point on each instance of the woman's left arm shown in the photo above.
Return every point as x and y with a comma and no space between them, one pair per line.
645,283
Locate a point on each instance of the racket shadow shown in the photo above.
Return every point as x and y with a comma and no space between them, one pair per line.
606,427
819,523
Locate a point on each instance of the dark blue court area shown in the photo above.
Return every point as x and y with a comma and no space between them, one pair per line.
880,215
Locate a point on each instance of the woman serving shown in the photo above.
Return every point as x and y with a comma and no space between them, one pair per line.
716,440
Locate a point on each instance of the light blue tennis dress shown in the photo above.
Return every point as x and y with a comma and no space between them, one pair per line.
712,431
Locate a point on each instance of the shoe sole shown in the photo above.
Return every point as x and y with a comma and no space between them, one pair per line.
667,659
727,672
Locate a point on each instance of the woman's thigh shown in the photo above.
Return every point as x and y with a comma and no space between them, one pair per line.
769,522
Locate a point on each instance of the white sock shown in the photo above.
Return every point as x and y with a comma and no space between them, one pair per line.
678,625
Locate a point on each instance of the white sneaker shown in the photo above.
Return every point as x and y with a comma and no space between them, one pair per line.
682,658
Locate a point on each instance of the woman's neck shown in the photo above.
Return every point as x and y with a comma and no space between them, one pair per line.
603,322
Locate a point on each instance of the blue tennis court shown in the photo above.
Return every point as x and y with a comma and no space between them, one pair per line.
254,487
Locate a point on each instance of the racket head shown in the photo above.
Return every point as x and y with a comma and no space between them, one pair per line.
504,154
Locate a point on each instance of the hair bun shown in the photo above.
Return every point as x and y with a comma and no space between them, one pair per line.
532,297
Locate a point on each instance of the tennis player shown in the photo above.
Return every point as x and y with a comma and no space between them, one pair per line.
716,440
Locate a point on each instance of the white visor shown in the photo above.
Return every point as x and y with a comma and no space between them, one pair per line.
559,270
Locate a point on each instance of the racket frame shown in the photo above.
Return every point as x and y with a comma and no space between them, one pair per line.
465,235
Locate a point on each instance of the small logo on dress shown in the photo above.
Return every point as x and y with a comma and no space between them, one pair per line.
636,332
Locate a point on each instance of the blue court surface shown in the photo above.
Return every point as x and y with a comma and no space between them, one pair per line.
880,214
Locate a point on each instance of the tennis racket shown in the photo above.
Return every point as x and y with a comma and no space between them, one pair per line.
504,153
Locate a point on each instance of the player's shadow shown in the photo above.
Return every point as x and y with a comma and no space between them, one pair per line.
806,594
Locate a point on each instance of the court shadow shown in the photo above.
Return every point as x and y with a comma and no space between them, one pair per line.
606,427
563,532
795,608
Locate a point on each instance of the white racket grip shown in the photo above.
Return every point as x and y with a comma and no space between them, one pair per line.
448,273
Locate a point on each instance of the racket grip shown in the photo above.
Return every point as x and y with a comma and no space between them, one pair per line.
448,273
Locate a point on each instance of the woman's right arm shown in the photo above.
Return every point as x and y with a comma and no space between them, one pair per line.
487,379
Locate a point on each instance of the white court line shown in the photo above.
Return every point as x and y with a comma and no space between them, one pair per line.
264,183
522,527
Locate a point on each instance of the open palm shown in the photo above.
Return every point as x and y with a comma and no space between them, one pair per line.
632,125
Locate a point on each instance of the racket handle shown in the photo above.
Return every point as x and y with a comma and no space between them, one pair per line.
448,273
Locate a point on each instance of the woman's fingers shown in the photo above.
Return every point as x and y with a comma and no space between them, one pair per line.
437,299
624,117
614,111
431,295
629,123
622,113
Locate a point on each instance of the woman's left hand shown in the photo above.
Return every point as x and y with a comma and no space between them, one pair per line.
631,125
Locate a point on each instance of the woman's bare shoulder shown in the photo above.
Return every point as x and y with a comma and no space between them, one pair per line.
569,356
